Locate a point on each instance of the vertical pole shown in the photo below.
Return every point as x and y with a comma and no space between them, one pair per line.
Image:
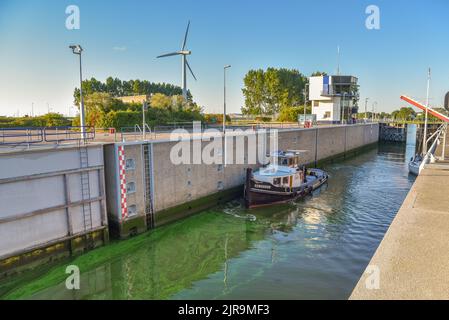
304,92
143,120
316,147
349,110
338,60
425,120
82,117
341,109
224,101
224,111
184,77
444,143
366,110
224,116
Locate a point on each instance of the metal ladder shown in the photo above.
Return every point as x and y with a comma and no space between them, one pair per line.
85,188
149,213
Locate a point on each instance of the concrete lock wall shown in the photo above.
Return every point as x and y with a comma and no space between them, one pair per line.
41,198
178,190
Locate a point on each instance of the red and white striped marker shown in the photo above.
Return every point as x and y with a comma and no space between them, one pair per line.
121,163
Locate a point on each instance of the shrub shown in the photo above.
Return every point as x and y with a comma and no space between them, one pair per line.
47,120
290,114
215,118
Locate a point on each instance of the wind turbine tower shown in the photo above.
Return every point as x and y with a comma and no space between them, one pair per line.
185,64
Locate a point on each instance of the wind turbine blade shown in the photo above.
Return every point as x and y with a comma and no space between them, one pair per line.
185,37
188,65
169,54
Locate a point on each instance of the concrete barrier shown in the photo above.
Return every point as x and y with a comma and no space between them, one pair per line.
52,204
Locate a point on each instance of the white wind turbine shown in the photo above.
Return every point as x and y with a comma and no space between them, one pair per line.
184,53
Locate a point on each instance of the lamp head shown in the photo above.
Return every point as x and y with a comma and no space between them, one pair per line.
77,49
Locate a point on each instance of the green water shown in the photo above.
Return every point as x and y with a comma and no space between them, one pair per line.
315,248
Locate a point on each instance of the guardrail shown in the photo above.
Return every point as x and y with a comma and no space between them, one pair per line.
430,155
135,131
15,136
28,136
61,134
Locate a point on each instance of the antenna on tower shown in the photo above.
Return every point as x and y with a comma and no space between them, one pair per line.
338,60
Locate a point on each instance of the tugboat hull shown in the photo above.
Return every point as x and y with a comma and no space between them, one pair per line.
258,194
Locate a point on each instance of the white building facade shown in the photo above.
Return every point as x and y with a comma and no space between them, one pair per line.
333,98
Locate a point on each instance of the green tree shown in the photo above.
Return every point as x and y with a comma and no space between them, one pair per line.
290,114
118,88
267,92
404,114
318,73
161,101
253,92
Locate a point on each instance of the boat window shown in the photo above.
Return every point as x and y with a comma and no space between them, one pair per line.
285,180
284,162
277,181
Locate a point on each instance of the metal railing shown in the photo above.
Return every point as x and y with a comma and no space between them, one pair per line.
429,157
61,134
18,136
136,132
28,136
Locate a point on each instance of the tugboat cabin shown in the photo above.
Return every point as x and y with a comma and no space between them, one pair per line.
283,177
289,158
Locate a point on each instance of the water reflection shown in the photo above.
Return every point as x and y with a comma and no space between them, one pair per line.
314,248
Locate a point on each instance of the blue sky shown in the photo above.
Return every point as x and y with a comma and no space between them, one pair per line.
122,39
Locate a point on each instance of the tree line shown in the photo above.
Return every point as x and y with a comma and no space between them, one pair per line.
119,88
106,111
46,120
403,114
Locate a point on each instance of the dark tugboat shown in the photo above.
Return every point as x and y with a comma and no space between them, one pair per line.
281,181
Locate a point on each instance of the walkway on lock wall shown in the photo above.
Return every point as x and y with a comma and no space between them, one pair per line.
413,257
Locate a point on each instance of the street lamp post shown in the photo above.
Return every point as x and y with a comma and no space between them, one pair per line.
305,102
77,49
144,109
366,110
349,110
224,111
426,114
342,113
224,97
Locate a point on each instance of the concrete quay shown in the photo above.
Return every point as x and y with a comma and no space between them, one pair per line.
412,261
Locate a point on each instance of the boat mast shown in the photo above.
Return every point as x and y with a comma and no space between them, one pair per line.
425,120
